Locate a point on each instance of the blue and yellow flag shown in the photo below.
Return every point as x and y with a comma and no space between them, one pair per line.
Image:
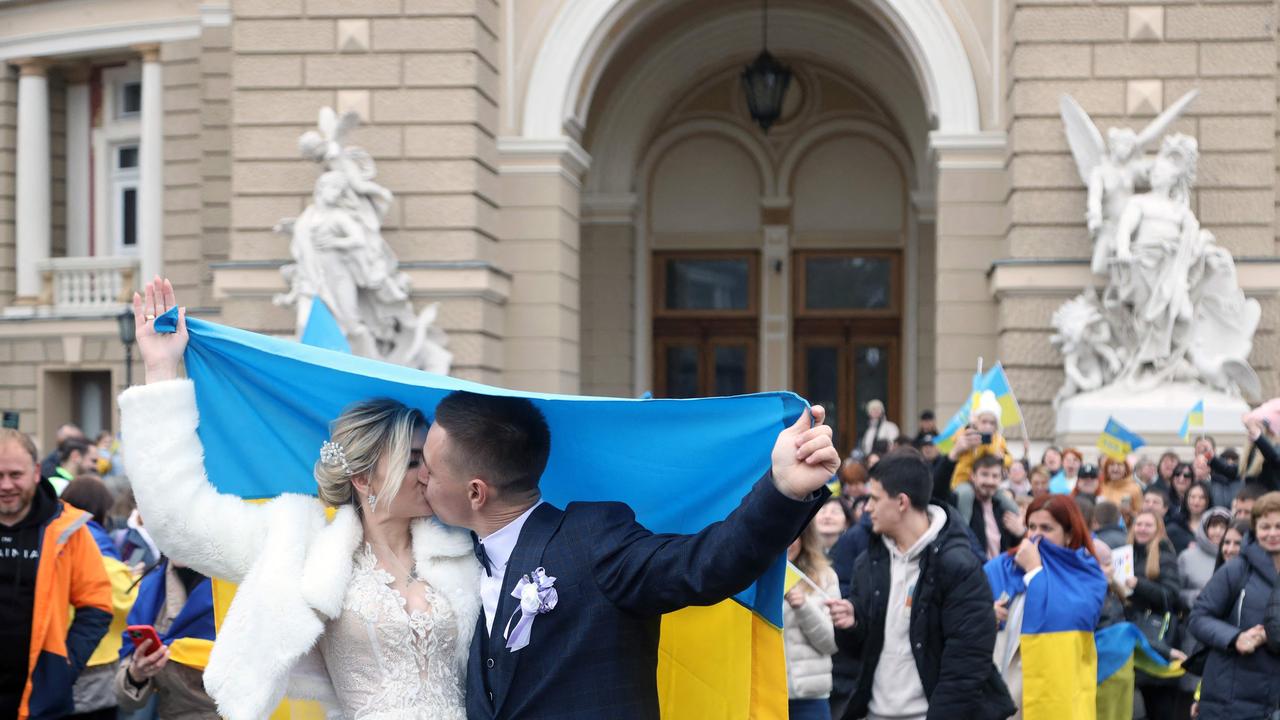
680,464
1059,612
1124,643
322,329
997,382
190,637
1192,422
1118,441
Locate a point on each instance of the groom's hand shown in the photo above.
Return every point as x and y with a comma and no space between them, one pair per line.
803,457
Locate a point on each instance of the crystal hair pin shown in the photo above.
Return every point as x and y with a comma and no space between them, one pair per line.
332,455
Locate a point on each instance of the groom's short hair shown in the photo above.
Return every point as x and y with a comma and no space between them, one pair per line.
502,440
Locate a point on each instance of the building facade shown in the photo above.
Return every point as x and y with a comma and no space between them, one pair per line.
580,184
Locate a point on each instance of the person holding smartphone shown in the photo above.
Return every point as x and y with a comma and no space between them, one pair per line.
147,670
984,427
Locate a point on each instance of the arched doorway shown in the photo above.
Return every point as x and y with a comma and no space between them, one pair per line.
716,259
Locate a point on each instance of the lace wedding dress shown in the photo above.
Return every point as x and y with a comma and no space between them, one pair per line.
387,663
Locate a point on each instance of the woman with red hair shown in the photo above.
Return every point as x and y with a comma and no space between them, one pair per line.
1120,488
1057,583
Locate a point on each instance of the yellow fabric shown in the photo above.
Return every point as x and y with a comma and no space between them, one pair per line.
794,577
722,662
192,652
123,593
1059,676
964,463
1115,694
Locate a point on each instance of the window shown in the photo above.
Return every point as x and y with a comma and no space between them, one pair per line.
847,328
124,190
128,99
705,283
846,283
706,323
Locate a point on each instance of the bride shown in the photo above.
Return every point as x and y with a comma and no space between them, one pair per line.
371,613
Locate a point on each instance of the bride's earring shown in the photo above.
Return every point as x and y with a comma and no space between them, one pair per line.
373,502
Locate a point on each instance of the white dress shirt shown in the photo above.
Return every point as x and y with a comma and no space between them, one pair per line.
498,547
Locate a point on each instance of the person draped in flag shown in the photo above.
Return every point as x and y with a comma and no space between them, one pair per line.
1050,593
372,612
399,616
177,602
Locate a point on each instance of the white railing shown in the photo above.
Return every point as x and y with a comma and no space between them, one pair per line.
73,285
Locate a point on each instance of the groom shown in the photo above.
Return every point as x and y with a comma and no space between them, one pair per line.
595,655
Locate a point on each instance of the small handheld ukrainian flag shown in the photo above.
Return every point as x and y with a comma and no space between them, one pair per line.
1192,422
997,382
795,576
1118,441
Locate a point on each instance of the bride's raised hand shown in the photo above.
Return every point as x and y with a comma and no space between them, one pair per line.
161,352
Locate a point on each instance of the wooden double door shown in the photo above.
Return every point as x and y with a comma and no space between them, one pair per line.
846,329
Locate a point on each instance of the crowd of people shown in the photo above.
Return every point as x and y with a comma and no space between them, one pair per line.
933,578
70,537
918,632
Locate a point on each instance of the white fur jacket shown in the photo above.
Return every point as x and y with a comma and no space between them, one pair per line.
292,566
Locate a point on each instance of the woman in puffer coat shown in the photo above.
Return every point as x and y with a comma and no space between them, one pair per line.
808,634
1244,661
1197,563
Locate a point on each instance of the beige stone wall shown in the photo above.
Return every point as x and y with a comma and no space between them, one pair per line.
183,179
423,76
31,349
972,225
58,163
214,154
608,290
540,243
1124,63
8,157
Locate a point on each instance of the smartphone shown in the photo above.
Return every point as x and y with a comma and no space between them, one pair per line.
986,438
142,633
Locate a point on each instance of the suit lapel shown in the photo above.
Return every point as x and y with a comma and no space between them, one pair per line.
525,557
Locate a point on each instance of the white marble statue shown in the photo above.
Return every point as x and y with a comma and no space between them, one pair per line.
1084,339
340,256
1110,171
1172,310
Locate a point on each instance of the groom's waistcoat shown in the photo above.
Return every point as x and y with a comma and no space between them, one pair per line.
595,655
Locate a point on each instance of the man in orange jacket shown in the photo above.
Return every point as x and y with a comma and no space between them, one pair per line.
49,565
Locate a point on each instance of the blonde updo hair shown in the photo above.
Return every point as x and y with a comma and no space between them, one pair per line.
368,431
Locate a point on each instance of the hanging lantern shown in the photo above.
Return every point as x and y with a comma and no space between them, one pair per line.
765,80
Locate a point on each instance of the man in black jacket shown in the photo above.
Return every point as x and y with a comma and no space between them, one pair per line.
922,620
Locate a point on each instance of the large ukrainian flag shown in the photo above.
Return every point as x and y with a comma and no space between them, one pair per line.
1059,612
265,405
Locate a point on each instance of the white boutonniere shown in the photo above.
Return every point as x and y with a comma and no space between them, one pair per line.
537,595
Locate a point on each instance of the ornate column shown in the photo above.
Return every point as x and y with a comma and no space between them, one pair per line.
151,166
33,216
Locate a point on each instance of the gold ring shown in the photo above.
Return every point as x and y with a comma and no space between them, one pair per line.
150,317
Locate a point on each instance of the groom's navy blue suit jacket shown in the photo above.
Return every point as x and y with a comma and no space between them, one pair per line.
595,655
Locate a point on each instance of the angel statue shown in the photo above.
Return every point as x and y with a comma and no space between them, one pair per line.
1192,320
1112,172
341,257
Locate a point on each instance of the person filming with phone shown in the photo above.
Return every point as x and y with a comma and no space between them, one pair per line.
166,645
980,438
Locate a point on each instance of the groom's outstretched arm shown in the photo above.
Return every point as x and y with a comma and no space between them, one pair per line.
651,574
